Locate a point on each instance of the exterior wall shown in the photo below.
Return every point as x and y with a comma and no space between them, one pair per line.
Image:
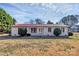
28,30
14,31
66,31
46,33
37,33
43,33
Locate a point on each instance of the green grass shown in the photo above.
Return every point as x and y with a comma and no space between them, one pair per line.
44,47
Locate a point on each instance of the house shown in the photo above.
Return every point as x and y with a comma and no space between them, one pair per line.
40,29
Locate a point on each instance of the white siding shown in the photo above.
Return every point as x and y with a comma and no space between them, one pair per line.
28,30
38,33
14,31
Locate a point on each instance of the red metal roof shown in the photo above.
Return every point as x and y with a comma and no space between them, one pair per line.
30,25
17,25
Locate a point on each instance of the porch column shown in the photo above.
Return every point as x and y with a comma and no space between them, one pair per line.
66,31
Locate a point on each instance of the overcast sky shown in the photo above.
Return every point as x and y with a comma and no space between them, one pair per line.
54,12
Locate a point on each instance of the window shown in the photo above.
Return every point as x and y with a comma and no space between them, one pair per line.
40,30
49,29
33,30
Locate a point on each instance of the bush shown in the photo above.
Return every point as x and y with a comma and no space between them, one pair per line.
9,33
22,31
28,34
70,34
57,31
1,30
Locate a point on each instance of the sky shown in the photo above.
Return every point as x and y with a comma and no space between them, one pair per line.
23,12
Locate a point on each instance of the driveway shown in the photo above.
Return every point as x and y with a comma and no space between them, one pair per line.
6,36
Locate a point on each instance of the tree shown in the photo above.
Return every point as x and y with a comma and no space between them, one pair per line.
57,31
69,20
31,21
22,31
57,23
77,16
14,21
39,21
70,34
5,21
49,22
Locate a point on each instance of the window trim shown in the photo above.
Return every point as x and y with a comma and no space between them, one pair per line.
33,30
49,29
41,30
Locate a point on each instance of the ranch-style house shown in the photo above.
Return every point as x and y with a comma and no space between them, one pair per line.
40,29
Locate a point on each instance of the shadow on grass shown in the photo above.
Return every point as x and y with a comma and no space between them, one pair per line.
32,37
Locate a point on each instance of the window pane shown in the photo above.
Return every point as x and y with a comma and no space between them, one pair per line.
33,30
49,29
40,30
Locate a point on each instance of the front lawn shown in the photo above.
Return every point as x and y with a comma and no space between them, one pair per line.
44,47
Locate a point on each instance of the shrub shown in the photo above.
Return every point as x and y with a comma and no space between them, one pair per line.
28,34
22,31
9,33
70,34
57,31
1,30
